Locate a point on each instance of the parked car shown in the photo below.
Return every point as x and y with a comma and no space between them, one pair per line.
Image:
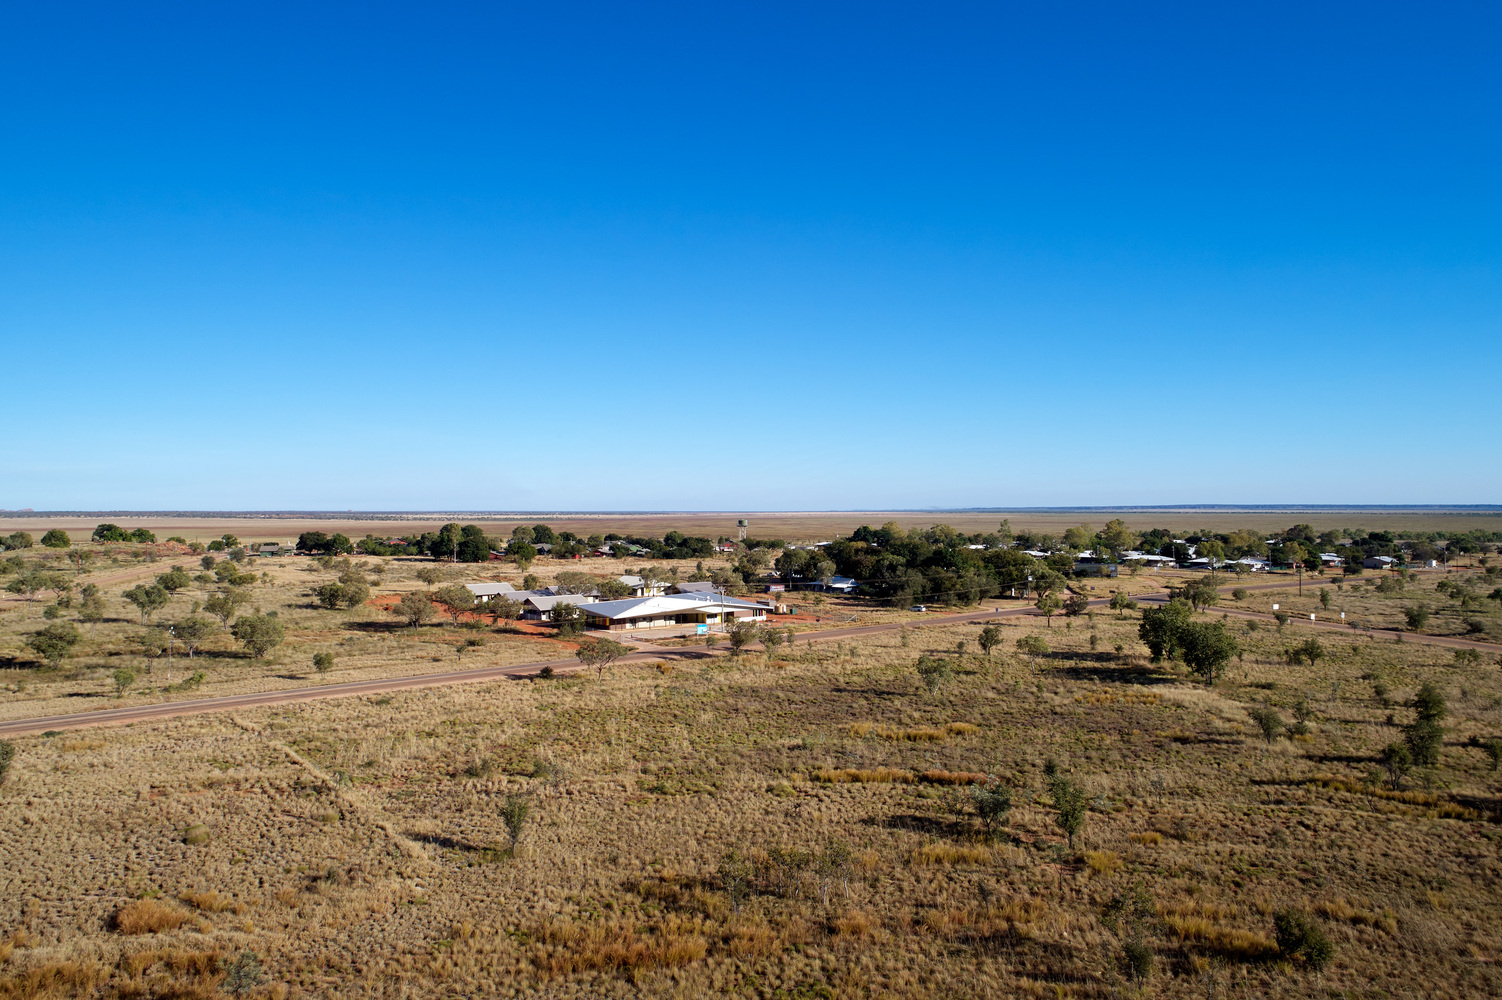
918,607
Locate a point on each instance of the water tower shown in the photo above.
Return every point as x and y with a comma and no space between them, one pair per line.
741,526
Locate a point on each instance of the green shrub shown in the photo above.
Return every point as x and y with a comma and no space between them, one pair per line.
1299,935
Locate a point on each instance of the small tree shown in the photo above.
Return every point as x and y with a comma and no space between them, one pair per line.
174,579
57,539
1121,603
514,813
457,599
227,603
993,803
568,618
124,678
91,606
466,646
990,638
1417,615
1048,604
1267,720
933,672
741,634
1033,646
329,595
503,609
1076,605
414,608
54,642
1300,937
260,633
323,662
600,653
431,575
735,874
1397,761
1069,800
148,599
1207,647
1493,749
243,975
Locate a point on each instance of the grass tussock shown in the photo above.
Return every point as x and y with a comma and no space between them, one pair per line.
1103,862
58,979
1434,806
1128,697
211,902
1344,910
952,854
858,775
565,947
1149,838
927,734
149,916
954,777
1206,925
855,924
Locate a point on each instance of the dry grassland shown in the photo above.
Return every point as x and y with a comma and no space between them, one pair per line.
790,525
685,837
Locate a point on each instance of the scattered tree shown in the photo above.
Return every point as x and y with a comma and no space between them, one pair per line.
600,653
54,642
193,630
1076,605
993,803
741,634
1048,604
1163,629
57,539
91,606
1397,761
457,599
260,633
323,662
514,813
148,599
1206,648
1267,720
174,579
1033,646
227,603
933,672
123,678
414,608
1299,936
1418,617
1121,603
1069,800
990,638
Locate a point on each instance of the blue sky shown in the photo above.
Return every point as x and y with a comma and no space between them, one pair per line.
748,256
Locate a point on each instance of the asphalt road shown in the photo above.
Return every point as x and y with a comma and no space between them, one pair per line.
226,703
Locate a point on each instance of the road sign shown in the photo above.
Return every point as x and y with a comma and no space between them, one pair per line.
1275,607
701,628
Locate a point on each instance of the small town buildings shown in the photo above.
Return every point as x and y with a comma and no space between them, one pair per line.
671,609
485,591
1379,562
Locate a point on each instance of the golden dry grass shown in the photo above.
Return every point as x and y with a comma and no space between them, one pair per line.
149,916
354,846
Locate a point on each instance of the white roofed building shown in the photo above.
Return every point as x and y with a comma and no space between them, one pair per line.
672,609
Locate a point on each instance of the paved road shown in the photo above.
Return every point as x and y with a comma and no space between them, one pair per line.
199,706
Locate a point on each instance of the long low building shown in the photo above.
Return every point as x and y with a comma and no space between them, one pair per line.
669,610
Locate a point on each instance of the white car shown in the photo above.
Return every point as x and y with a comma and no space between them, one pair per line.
918,607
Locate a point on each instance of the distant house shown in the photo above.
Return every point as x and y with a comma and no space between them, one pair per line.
539,606
1379,562
668,610
837,584
485,591
694,587
1092,568
273,549
1252,565
639,586
1331,559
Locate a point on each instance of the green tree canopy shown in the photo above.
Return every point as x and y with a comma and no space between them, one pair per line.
148,599
260,633
57,539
